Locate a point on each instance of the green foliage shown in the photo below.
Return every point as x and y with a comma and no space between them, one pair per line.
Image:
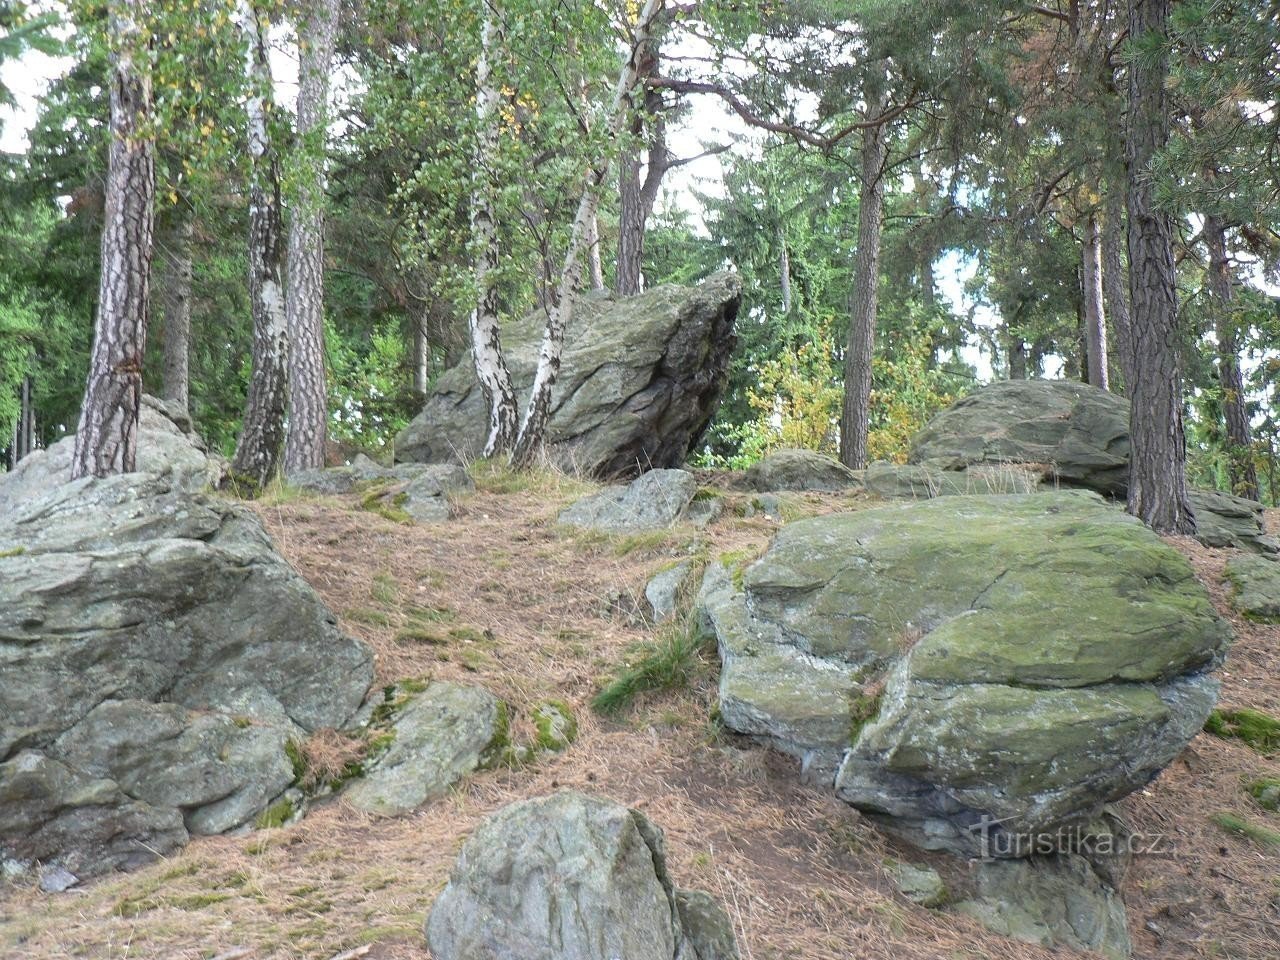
1238,826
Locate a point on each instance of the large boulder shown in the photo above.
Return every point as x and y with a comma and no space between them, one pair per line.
639,382
1078,432
157,658
998,663
572,877
166,444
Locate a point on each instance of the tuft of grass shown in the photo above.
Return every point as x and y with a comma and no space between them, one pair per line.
13,552
671,662
863,708
1253,727
418,633
498,476
369,616
278,492
385,589
1240,827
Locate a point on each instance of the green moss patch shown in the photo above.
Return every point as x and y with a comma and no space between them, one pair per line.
1265,792
1253,727
1238,826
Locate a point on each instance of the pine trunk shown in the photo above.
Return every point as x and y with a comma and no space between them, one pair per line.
855,421
1114,283
304,301
107,435
635,196
175,382
1095,320
538,412
1157,460
486,344
1240,464
259,448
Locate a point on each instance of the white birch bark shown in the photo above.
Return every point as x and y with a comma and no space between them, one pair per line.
538,411
1095,319
486,344
258,449
107,435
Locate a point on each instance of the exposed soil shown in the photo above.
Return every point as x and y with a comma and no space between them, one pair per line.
533,611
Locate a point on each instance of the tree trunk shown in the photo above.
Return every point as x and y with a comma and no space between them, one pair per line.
855,423
1240,464
538,412
175,302
258,450
1157,460
304,301
1095,321
486,344
24,427
107,435
1114,283
596,268
421,354
1017,359
636,197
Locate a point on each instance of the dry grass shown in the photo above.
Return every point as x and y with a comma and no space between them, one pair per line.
500,596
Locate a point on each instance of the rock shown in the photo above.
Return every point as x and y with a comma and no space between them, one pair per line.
1055,901
767,505
571,877
164,447
1009,661
156,658
1257,587
1226,521
441,734
664,591
1078,432
918,482
652,501
921,885
555,724
704,509
639,383
55,879
799,470
707,928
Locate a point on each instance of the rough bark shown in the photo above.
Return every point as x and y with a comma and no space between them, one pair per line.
259,447
1241,468
1095,320
1157,463
1017,359
107,435
538,411
486,345
24,427
636,197
855,421
304,300
1114,282
175,300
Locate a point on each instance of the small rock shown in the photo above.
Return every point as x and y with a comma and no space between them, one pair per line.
920,885
704,510
653,501
556,725
571,877
767,505
1054,901
55,879
1226,521
800,470
664,591
441,734
1257,587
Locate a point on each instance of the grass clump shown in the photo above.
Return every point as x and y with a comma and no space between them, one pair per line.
390,507
671,662
1253,727
863,708
12,552
385,590
1238,826
498,476
369,616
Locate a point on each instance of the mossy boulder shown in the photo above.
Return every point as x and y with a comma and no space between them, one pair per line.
1029,658
1256,582
800,470
640,380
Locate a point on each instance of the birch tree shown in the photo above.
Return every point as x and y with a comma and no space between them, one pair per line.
538,411
308,396
258,450
486,345
1095,321
107,435
176,275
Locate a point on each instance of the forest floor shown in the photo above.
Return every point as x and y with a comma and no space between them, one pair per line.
531,610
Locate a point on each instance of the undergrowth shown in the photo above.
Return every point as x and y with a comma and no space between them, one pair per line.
675,658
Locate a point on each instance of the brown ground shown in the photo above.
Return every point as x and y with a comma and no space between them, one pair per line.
800,873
